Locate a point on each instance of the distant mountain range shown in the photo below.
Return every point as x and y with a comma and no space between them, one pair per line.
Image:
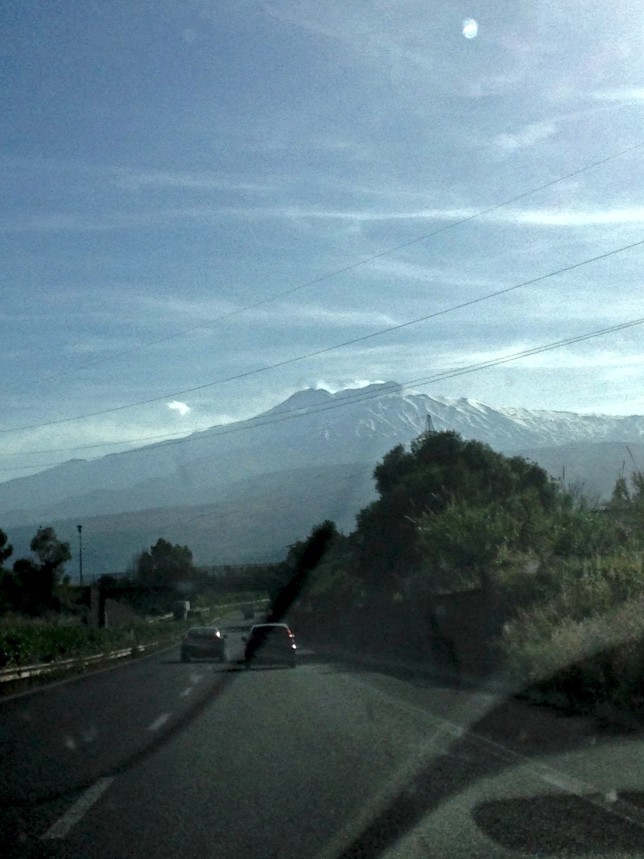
243,492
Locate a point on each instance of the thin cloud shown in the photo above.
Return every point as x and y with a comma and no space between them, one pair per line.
527,137
135,181
83,223
537,217
402,270
579,218
318,315
621,94
79,222
176,307
358,215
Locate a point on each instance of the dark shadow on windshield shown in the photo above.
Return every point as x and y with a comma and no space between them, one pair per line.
208,696
309,560
513,733
568,824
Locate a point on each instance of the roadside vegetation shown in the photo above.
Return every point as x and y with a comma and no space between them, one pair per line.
29,641
482,562
469,560
46,618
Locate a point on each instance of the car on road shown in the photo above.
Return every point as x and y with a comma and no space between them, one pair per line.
270,643
204,642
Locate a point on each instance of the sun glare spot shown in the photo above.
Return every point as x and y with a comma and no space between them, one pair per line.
470,28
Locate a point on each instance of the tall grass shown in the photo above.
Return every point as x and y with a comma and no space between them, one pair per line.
586,643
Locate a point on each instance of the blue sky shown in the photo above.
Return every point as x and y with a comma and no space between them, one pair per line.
191,191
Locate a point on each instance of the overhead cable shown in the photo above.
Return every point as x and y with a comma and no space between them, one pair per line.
295,359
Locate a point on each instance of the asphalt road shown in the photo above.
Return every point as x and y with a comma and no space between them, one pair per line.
332,759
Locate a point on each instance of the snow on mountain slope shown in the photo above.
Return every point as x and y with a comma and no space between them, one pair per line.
312,428
512,429
389,411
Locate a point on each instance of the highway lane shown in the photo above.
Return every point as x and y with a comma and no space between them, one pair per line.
328,760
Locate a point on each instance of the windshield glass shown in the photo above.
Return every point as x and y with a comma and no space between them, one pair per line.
326,313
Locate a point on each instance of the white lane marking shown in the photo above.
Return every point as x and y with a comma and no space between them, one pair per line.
158,723
78,809
194,679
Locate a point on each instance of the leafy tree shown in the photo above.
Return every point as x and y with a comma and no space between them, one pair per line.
390,471
36,579
441,471
164,565
6,549
8,585
51,553
463,542
28,591
303,558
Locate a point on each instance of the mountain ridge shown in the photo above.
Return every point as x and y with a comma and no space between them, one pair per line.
315,429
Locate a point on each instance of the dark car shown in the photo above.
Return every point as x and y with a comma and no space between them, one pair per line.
204,642
271,643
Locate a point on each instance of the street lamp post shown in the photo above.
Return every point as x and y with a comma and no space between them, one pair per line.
80,553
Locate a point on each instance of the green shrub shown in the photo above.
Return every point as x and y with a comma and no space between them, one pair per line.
591,661
32,641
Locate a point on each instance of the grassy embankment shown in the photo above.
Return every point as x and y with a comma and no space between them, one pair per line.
583,646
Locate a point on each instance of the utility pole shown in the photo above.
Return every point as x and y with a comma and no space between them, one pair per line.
80,553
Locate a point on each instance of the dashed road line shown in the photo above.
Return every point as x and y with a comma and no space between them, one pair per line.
78,809
195,678
159,723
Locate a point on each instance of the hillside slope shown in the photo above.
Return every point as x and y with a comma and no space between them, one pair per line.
312,455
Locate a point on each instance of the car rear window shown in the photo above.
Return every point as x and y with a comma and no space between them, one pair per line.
205,632
263,632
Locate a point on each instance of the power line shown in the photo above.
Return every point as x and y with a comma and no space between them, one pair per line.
344,269
69,448
526,353
326,349
291,414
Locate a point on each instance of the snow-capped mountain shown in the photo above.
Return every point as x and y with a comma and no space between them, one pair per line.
388,410
314,432
311,428
513,429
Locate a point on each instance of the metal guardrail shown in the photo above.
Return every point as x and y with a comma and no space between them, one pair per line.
160,617
24,672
